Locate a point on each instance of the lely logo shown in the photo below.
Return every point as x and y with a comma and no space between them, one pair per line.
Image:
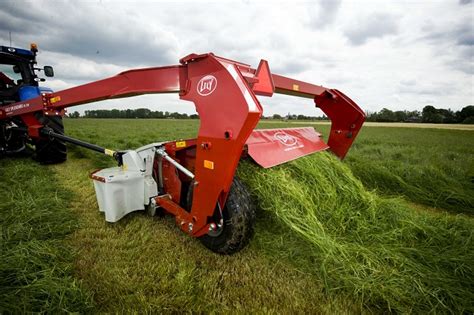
285,139
207,85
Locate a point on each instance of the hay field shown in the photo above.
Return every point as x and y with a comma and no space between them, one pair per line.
390,229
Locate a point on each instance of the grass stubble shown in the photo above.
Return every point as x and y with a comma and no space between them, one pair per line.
36,262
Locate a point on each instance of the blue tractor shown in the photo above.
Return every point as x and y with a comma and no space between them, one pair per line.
19,82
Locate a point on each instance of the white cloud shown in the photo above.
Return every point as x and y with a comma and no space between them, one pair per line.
75,68
376,25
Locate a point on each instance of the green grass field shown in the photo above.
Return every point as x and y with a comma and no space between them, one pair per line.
388,229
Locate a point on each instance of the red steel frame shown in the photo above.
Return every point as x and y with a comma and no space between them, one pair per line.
224,93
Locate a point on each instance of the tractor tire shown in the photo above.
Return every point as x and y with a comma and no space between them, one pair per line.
239,219
13,143
50,151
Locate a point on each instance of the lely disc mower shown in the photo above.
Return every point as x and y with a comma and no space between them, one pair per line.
191,179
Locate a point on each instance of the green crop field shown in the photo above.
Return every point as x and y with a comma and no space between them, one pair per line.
389,229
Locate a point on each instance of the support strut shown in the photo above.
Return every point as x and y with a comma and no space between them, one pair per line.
48,132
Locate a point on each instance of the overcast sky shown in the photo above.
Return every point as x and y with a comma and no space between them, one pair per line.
393,54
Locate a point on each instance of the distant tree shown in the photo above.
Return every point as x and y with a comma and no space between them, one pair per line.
115,113
386,115
142,113
370,116
74,114
276,116
157,114
400,115
469,120
176,115
413,116
448,116
430,115
466,115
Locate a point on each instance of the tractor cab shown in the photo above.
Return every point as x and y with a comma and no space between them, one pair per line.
18,79
19,82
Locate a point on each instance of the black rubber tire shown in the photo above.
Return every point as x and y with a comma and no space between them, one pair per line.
50,151
239,220
13,143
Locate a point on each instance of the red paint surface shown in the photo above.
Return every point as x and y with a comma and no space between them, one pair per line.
270,147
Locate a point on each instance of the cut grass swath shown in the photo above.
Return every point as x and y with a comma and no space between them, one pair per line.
380,250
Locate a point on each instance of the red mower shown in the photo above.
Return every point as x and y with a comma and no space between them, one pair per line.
191,179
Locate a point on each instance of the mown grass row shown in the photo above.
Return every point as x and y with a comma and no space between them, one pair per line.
36,264
434,167
384,253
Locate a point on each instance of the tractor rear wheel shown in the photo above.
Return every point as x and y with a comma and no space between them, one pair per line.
51,151
12,142
238,222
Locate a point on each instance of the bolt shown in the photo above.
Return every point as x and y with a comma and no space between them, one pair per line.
212,227
190,227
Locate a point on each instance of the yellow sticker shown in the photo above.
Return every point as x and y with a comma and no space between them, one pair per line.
109,152
180,144
55,99
209,164
296,87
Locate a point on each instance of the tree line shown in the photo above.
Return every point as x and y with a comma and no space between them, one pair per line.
146,113
429,114
132,113
296,117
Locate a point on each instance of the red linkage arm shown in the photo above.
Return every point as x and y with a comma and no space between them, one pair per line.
346,117
128,83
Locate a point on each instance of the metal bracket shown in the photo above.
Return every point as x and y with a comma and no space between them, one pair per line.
161,152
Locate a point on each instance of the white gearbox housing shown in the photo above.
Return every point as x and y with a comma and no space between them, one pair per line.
128,188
